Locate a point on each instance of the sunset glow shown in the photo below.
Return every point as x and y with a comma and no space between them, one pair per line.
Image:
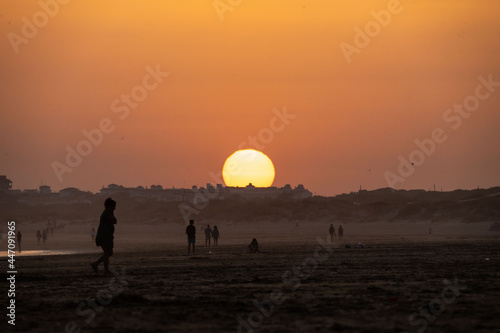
161,92
248,166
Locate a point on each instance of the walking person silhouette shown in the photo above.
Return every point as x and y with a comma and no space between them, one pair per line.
105,235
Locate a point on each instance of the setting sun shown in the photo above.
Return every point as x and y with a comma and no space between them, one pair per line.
248,166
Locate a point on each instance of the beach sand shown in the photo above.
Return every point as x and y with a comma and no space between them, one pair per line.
296,284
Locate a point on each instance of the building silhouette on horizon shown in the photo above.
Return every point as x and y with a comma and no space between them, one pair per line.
157,192
218,191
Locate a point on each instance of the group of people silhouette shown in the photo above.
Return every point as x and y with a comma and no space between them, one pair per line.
49,230
42,236
104,236
211,233
334,234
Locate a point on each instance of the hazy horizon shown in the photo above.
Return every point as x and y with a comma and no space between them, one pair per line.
96,191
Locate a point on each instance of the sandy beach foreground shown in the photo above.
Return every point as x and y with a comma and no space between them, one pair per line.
309,286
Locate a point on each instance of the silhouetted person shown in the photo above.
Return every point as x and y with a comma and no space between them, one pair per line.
191,234
19,237
105,235
44,236
92,234
430,231
215,235
38,237
254,246
208,235
341,232
332,231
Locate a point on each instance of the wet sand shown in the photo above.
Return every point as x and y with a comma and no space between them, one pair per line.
294,285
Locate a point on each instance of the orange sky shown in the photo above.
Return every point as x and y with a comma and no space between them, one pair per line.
352,120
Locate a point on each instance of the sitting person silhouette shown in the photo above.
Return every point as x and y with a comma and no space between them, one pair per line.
254,246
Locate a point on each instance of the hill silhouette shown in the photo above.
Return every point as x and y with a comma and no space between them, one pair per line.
469,206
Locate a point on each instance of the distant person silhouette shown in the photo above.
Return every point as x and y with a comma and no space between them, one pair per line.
38,237
332,231
191,234
215,235
341,232
254,246
430,231
19,238
208,235
105,235
44,236
92,234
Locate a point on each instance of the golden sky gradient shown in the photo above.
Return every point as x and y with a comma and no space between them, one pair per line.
352,120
